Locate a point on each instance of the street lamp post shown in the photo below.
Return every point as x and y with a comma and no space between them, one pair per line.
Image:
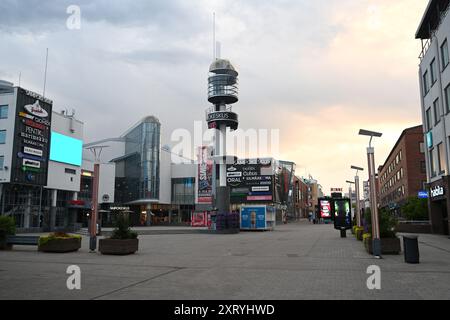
96,151
357,208
376,241
350,192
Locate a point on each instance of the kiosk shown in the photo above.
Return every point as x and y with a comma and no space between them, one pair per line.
258,218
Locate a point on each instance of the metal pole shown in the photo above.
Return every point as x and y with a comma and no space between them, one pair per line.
94,211
376,244
357,208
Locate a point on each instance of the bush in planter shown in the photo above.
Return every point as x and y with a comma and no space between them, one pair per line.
359,231
7,228
59,242
123,240
122,230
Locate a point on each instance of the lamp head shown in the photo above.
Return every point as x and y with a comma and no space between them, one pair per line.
363,132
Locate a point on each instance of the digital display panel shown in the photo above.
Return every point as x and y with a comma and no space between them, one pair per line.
325,209
342,214
66,149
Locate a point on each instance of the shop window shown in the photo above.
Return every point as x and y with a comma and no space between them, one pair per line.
2,162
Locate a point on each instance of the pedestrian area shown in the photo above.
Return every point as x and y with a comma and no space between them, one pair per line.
297,261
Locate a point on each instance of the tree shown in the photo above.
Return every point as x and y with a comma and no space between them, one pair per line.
415,209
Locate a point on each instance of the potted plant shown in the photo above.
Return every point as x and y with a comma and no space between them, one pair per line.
123,241
390,243
7,228
59,242
359,231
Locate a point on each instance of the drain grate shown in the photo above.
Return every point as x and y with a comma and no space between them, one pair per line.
292,255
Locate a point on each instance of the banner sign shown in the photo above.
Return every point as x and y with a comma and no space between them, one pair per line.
204,176
251,180
32,139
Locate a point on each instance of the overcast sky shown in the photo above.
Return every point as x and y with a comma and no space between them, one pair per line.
317,70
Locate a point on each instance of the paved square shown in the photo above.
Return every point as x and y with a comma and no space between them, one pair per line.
297,261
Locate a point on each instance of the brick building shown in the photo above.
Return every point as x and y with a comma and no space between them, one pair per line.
403,174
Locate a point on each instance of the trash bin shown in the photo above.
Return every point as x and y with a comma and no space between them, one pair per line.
411,248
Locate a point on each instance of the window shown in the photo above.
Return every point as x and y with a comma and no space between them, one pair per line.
70,171
447,98
444,53
401,173
3,112
422,147
441,158
426,86
423,167
433,72
2,162
2,136
437,114
428,119
432,166
400,155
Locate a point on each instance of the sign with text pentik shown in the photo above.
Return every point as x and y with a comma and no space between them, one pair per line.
31,139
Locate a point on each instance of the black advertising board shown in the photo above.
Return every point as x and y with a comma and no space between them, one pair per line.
31,139
342,213
251,180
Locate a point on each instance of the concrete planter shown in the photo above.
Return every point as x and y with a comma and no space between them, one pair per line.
388,245
4,246
118,247
61,245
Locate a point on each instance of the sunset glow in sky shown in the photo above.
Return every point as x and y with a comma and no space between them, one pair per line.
317,70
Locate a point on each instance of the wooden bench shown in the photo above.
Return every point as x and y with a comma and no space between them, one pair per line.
22,240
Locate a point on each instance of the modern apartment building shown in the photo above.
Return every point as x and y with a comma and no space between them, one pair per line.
403,175
434,76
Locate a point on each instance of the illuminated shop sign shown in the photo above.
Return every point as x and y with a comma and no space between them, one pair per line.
437,191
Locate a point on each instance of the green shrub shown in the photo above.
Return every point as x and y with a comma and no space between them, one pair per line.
57,235
7,227
415,209
367,236
122,229
387,224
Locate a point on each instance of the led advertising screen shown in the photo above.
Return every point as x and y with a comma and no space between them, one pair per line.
325,209
66,149
342,214
32,139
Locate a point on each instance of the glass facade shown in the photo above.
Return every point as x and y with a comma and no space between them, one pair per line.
141,163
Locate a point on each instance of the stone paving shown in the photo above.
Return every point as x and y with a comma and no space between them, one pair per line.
297,261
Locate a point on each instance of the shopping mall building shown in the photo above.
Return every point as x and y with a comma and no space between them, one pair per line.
47,172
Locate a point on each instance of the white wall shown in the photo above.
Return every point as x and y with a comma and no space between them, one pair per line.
107,179
57,177
8,125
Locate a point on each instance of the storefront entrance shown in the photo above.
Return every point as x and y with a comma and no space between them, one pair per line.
439,204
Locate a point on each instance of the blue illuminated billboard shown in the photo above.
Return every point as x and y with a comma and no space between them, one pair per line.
66,149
